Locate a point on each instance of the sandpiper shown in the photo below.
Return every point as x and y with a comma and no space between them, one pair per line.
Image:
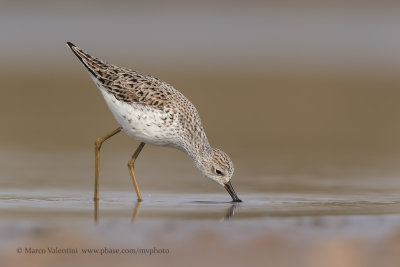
154,112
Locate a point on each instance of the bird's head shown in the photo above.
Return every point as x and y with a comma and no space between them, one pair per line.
218,166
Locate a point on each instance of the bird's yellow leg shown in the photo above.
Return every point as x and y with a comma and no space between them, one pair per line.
97,146
131,164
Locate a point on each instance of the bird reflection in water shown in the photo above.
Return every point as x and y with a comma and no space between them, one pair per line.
227,215
135,211
230,212
96,211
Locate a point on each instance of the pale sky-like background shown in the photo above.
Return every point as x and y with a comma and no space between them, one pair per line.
189,34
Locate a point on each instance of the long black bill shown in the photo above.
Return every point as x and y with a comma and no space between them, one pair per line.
228,186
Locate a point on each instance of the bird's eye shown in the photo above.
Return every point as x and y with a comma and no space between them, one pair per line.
218,172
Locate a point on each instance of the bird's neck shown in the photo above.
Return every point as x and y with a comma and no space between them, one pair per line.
198,149
200,156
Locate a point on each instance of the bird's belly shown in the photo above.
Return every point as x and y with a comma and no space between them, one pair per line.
143,123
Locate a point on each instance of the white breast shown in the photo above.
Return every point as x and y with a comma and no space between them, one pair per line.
142,122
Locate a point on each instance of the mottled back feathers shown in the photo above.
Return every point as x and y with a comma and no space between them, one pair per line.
126,85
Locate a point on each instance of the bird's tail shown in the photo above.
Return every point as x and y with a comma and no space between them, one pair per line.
95,66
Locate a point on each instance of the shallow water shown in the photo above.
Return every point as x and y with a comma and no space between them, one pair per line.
316,213
309,227
51,183
79,206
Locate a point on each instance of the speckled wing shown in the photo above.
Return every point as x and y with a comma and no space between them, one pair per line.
126,85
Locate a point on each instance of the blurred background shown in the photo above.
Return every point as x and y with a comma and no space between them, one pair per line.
287,88
303,95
